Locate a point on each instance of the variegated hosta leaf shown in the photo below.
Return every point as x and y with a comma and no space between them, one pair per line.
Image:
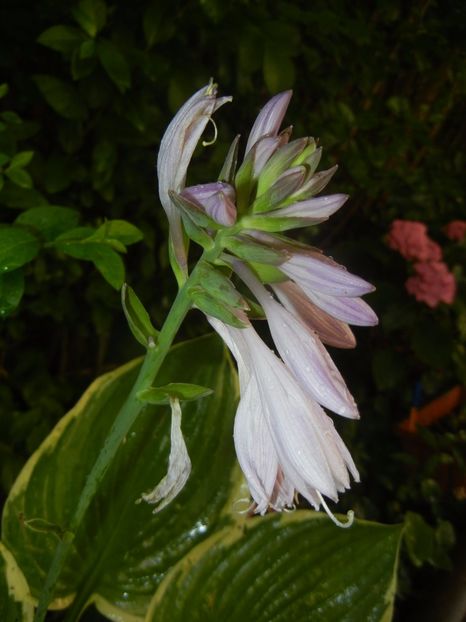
15,600
123,551
297,567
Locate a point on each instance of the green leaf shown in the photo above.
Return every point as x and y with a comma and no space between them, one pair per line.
212,306
19,177
91,15
15,598
120,230
104,258
138,319
419,538
11,291
20,160
62,97
61,38
284,567
122,550
3,89
115,64
181,390
17,247
50,220
4,158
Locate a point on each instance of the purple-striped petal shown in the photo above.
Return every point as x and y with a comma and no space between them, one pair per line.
270,118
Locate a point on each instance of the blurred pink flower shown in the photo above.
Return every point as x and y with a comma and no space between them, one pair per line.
433,283
410,239
456,230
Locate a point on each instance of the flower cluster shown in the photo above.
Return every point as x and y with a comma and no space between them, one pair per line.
285,442
432,281
456,230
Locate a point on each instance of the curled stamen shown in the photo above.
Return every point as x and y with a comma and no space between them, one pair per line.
207,143
244,500
349,514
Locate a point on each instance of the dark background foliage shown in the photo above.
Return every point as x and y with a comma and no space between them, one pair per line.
91,88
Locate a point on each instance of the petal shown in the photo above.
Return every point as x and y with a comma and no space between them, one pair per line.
254,447
318,208
303,352
331,331
179,465
270,118
315,272
351,310
176,149
217,199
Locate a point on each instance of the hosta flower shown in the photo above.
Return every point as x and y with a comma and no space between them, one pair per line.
175,153
302,351
284,441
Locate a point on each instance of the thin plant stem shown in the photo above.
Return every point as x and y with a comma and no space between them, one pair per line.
125,419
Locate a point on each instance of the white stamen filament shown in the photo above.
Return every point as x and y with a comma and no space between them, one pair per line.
349,514
207,143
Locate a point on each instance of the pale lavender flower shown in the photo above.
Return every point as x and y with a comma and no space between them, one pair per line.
175,153
331,331
317,209
270,118
297,442
217,199
302,351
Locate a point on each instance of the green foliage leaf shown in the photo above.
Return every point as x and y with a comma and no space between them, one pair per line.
3,90
114,64
61,38
11,291
91,15
298,567
122,571
17,247
19,177
183,391
138,319
20,160
62,97
15,599
120,230
50,220
105,259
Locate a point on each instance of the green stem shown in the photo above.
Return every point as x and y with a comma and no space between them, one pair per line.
124,421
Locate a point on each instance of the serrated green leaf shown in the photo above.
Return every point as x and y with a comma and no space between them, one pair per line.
246,247
15,599
61,38
17,247
115,64
284,567
11,291
50,220
19,177
91,15
211,306
62,97
138,319
20,160
122,572
183,391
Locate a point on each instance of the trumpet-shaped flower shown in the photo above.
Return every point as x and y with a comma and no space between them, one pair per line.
285,442
302,351
175,153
